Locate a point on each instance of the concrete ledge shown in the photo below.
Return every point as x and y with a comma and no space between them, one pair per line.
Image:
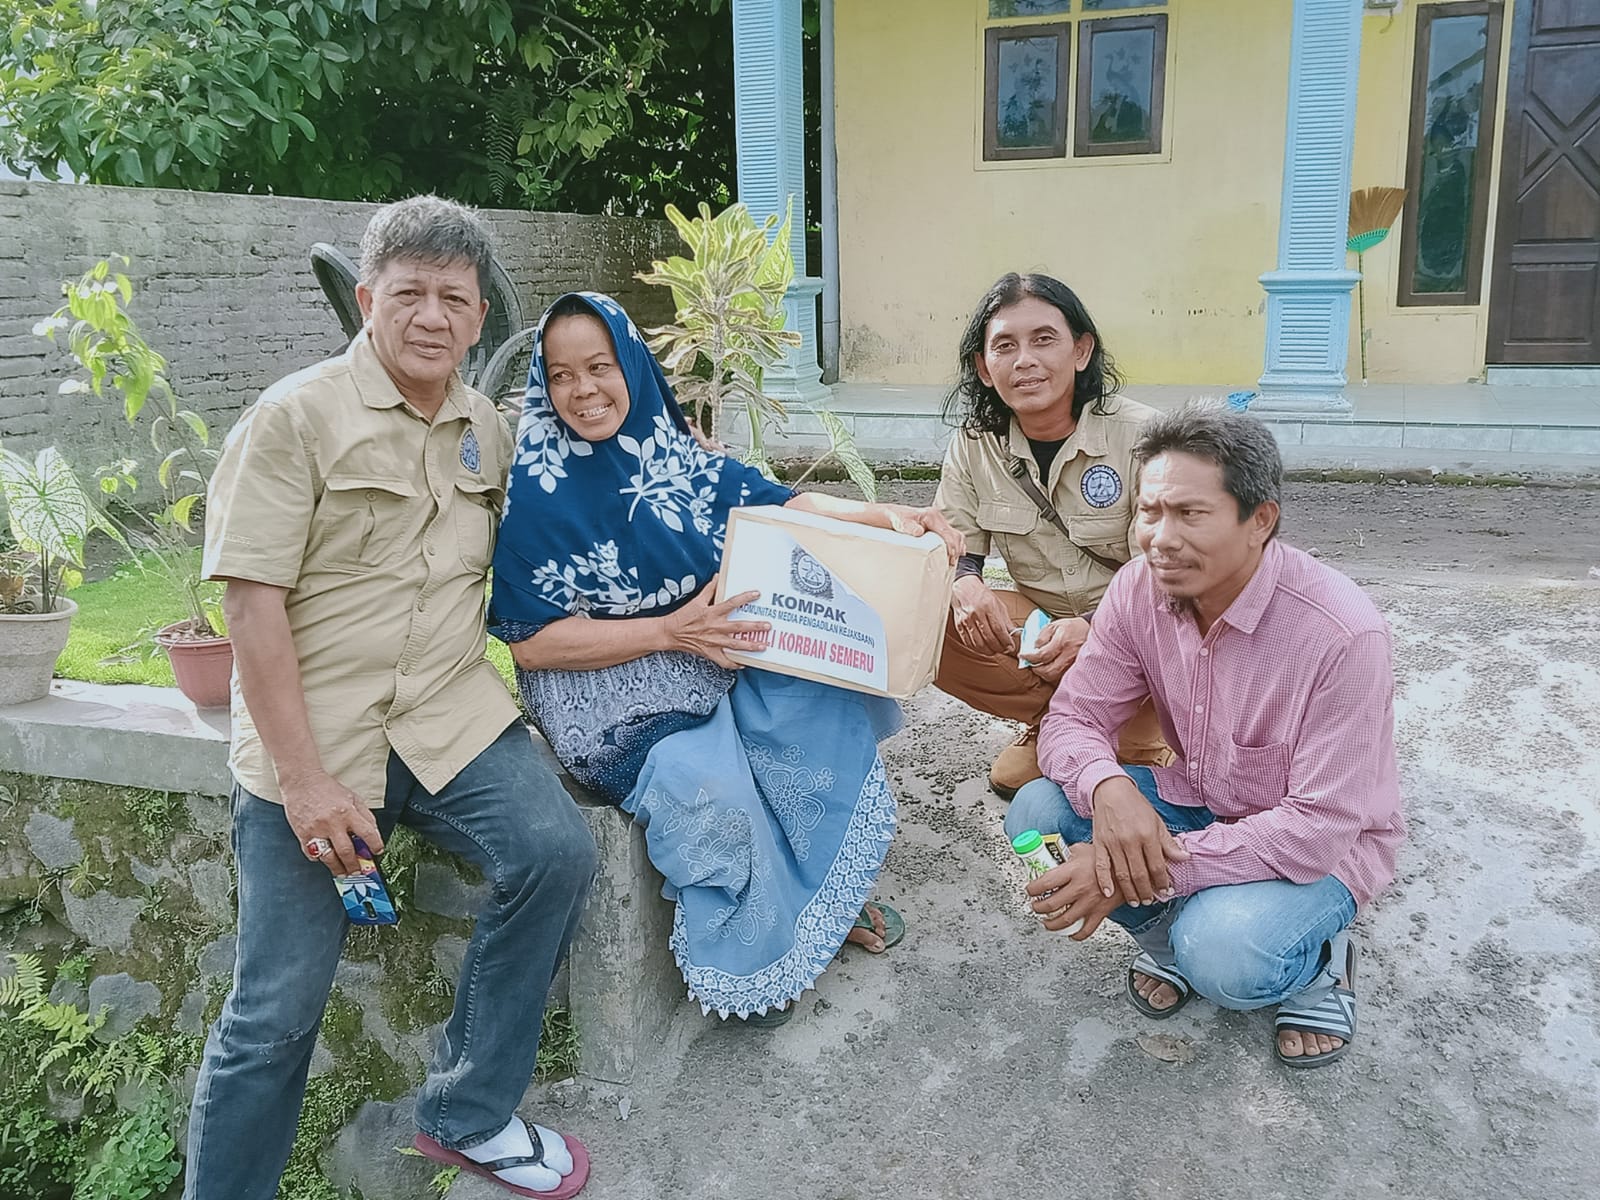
1575,377
624,984
126,735
1391,426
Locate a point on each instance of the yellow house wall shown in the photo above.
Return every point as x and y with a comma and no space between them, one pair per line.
1164,250
1431,344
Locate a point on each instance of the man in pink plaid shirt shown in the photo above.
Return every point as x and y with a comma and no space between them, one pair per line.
1239,868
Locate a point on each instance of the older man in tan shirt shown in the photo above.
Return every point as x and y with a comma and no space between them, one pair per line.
1040,421
353,517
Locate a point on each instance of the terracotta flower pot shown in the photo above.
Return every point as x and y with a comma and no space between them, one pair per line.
30,643
202,667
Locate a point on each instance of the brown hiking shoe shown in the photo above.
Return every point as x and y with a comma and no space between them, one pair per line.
1016,765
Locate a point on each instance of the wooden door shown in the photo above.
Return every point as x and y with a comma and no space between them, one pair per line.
1544,300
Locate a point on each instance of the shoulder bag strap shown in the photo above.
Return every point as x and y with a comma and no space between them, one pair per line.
1019,471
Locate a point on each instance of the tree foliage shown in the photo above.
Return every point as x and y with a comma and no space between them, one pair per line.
507,102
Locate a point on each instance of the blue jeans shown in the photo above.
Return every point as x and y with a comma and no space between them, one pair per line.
506,814
1241,946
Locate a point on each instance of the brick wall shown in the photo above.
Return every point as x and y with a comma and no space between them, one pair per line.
224,289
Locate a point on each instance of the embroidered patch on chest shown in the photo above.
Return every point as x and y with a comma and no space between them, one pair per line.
1102,486
470,458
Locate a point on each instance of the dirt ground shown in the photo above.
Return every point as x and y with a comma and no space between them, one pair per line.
1533,533
1549,532
984,1057
1528,532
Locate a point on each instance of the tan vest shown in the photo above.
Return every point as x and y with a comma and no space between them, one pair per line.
1091,484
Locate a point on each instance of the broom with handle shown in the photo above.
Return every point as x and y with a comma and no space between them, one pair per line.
1372,211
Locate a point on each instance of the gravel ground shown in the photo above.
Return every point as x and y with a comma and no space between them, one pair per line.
986,1057
1423,529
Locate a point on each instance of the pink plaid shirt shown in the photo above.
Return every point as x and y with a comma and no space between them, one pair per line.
1282,718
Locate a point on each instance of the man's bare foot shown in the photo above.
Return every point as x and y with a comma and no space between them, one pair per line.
1304,1046
1156,990
1294,1044
1161,995
870,940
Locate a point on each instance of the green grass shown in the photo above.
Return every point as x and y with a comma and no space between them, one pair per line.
501,658
116,613
124,610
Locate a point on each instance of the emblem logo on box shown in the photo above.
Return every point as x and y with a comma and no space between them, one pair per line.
807,575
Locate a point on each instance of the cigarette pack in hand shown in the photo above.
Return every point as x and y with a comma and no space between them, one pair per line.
1031,629
366,894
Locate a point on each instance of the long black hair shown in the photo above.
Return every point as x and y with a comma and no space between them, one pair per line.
975,407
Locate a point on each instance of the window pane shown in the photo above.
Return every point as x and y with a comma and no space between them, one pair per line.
1121,81
1027,8
1107,5
1025,113
1450,146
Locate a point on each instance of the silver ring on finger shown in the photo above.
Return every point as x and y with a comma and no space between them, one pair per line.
317,848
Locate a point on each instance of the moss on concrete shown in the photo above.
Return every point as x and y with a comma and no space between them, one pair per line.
832,472
143,845
1405,476
362,1072
415,994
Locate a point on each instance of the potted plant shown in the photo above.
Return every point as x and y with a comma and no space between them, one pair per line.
49,517
107,344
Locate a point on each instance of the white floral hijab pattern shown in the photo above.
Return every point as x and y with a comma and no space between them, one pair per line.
629,525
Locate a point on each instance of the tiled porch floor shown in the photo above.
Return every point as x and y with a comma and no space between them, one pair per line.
1422,425
1439,403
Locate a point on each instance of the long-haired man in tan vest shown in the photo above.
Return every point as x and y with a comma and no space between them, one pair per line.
1038,420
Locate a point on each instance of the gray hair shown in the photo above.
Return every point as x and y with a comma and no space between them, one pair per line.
427,229
1252,468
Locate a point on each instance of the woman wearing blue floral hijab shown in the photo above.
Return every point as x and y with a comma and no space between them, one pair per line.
762,796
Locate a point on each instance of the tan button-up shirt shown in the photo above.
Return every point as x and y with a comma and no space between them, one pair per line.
381,524
1091,484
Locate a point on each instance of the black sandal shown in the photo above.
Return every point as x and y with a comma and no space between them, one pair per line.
772,1018
1145,965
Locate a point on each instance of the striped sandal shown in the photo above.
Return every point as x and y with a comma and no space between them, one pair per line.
1333,1016
1145,965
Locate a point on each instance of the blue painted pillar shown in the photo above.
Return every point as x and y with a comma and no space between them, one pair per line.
769,124
1308,296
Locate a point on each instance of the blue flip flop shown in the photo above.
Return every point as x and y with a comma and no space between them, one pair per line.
894,925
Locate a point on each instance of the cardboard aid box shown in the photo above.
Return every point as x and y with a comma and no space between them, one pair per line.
851,605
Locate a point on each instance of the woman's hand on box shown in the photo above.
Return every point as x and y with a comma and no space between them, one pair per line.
705,628
917,521
901,518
